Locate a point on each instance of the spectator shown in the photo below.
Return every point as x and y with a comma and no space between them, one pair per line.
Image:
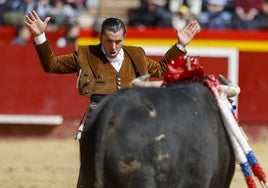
14,14
71,34
92,3
3,8
246,14
263,17
43,7
215,15
17,9
62,14
29,5
153,14
183,11
77,4
23,36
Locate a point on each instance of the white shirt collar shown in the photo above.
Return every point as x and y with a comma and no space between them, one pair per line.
117,61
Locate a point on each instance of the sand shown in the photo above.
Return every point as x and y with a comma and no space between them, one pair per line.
54,163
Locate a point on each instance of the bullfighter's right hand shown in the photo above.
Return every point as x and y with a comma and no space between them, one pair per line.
35,24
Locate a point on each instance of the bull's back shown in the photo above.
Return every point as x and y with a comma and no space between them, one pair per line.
165,137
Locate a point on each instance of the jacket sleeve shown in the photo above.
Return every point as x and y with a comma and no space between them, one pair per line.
158,68
56,64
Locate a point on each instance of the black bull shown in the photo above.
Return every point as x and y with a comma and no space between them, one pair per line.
170,137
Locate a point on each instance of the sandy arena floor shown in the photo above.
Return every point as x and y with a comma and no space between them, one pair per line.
53,163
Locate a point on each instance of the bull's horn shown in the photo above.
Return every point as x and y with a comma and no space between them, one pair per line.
229,88
143,81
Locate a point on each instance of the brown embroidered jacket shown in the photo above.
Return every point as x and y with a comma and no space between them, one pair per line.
95,74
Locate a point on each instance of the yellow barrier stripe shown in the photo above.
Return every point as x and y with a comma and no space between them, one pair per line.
242,45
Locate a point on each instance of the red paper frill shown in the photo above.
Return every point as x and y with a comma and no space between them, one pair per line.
183,68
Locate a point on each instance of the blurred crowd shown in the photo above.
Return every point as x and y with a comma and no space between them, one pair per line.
63,13
211,14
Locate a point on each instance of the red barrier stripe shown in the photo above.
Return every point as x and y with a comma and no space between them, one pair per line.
170,33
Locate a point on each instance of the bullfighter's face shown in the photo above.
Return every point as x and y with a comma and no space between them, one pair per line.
112,42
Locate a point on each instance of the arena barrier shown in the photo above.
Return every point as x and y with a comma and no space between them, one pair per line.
31,119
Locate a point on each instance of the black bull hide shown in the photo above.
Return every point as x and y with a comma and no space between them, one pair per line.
170,137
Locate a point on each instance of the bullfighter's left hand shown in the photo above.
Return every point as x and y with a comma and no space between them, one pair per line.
186,34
